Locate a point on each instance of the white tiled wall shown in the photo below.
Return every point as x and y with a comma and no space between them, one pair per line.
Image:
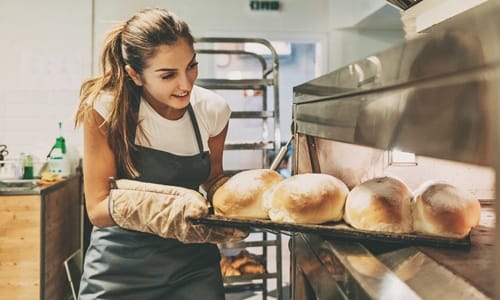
45,55
29,120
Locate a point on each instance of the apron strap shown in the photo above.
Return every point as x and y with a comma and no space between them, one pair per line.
134,105
196,128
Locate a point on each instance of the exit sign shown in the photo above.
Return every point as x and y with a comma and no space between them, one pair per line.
264,5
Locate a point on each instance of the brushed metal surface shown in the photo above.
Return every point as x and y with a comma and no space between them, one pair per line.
428,278
433,96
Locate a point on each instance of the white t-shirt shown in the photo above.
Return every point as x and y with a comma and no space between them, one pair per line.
177,136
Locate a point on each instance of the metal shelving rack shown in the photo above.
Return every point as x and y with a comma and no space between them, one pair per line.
267,81
270,141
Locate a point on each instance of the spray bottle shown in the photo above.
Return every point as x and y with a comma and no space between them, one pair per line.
58,160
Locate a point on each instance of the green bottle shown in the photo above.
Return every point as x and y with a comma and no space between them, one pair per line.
28,167
58,161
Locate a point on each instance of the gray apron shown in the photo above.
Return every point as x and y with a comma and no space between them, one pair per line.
123,264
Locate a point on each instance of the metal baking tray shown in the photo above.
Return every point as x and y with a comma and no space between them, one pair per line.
12,185
339,230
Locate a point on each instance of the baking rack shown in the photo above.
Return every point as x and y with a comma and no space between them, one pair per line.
264,89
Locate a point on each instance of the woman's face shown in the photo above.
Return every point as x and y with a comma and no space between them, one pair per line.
169,77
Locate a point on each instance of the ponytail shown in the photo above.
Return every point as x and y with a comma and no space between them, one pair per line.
123,118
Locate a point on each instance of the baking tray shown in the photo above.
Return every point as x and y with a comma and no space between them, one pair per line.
339,230
13,185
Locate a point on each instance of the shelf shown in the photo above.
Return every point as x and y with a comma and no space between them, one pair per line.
269,140
249,277
252,114
249,145
244,287
233,84
244,244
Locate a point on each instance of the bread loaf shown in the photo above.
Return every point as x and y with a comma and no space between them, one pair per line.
242,195
441,209
242,264
380,204
307,199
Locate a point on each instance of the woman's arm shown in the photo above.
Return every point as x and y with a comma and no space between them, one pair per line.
216,146
98,167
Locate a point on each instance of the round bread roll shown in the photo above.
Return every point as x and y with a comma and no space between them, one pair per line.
307,199
441,209
241,196
380,204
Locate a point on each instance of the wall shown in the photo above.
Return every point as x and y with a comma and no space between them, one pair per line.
359,28
346,29
343,30
297,19
49,50
45,55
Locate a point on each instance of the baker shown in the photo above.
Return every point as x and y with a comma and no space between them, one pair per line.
146,124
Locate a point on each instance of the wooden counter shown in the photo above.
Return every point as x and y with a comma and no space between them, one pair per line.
37,233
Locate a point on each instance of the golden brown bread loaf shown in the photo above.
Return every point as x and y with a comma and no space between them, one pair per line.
380,204
241,264
226,268
307,199
252,268
242,195
441,209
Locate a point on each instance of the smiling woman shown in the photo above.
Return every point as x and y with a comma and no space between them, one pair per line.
147,125
167,89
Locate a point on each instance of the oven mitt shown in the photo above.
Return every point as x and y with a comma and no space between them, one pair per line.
164,210
215,186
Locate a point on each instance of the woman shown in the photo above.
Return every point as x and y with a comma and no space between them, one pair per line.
147,124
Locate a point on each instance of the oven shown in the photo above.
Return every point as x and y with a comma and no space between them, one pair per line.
425,109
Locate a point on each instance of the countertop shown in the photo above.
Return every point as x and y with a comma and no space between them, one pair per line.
30,187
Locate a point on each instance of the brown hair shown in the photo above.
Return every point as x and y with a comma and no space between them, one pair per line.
130,43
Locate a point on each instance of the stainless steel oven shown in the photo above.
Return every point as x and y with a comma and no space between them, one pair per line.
424,109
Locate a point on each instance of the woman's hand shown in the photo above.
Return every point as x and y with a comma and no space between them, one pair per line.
166,211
